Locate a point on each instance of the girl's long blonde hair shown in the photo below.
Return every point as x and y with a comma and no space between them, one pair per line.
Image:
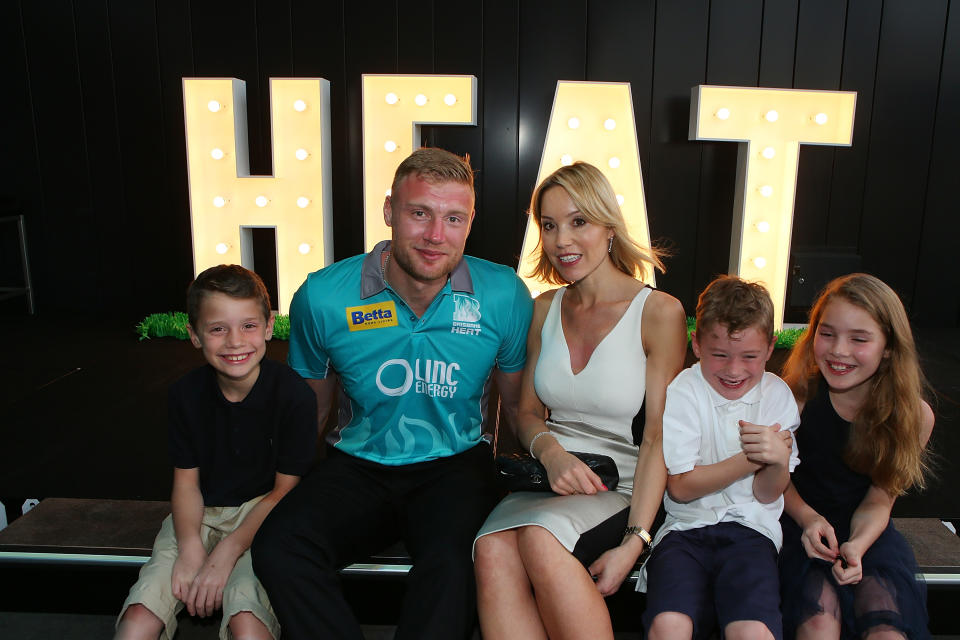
885,434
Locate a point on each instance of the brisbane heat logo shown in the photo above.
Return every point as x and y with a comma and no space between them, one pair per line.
466,315
372,316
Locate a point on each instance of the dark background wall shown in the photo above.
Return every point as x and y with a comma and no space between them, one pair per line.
93,143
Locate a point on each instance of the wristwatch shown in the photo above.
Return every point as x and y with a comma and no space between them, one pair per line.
641,533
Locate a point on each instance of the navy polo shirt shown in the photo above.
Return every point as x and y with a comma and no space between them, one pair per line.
240,446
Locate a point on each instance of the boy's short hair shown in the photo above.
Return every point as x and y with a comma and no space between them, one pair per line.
230,279
736,304
434,165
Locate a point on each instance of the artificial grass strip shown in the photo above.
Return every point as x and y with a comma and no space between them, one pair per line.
173,324
785,338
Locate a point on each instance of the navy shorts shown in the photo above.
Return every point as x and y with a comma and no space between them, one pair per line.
716,574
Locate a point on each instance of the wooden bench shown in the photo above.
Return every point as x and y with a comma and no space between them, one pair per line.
92,532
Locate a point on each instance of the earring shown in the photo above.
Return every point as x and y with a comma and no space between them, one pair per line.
610,245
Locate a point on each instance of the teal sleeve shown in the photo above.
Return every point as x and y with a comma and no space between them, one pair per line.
307,355
513,348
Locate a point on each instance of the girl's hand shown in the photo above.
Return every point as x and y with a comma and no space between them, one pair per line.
815,532
847,568
569,475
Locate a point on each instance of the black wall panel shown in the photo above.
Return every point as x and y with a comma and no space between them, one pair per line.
937,293
673,177
94,150
901,137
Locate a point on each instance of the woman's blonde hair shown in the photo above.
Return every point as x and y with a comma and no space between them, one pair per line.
885,434
595,200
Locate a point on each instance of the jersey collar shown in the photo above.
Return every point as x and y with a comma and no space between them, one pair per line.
371,276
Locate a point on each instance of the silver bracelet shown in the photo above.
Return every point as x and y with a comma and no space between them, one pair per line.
535,438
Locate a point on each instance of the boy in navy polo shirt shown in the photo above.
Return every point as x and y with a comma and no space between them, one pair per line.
242,433
729,452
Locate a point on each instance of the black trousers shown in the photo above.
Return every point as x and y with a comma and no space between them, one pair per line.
348,509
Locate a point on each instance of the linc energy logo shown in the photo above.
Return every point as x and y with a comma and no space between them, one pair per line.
372,316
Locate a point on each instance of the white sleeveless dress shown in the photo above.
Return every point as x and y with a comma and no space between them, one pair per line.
590,412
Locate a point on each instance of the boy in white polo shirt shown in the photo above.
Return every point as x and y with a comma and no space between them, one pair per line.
729,452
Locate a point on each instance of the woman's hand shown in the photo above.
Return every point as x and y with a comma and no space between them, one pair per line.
568,475
612,568
847,568
815,532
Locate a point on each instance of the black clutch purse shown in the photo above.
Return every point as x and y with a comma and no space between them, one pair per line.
520,472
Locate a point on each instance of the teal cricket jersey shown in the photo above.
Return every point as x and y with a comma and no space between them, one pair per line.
415,387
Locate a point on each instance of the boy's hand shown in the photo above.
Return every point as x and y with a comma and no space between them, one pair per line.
766,445
189,561
206,591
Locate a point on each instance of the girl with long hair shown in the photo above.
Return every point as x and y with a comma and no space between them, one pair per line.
845,570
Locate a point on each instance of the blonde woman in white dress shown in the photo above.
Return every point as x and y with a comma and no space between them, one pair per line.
596,348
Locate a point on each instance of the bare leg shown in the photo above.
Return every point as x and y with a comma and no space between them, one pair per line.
825,625
246,626
570,604
671,625
505,599
747,630
138,623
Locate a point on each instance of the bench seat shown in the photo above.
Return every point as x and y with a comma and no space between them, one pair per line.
94,532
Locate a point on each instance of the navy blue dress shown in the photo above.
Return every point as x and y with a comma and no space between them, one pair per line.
889,595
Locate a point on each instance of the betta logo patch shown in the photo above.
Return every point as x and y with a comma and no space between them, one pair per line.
372,316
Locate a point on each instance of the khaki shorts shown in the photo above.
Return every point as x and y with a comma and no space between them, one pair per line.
243,592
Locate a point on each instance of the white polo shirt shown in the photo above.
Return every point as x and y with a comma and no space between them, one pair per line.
700,427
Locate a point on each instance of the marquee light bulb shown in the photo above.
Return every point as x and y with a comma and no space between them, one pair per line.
614,162
261,201
763,226
216,154
214,106
450,99
420,99
391,98
759,262
302,154
820,118
304,249
300,105
222,248
566,159
723,113
766,191
620,200
609,124
772,116
303,202
768,153
219,201
573,123
390,146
